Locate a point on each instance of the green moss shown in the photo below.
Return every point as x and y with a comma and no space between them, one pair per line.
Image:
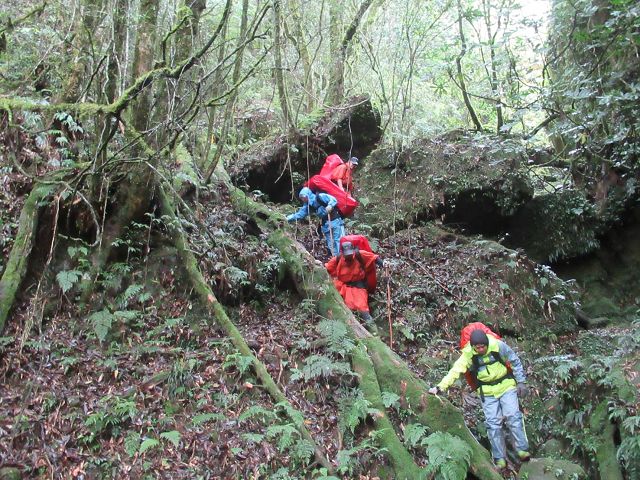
606,449
434,412
19,257
403,464
550,469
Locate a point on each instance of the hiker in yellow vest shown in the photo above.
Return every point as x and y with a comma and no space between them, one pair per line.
499,387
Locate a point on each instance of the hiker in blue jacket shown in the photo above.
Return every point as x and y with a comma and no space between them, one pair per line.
322,205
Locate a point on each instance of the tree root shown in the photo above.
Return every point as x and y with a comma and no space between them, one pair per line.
389,372
16,267
403,463
209,300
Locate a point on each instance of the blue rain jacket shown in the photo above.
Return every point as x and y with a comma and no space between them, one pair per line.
317,205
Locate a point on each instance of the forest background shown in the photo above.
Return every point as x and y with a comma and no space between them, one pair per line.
160,320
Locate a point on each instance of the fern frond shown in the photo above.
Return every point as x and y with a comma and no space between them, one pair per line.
449,456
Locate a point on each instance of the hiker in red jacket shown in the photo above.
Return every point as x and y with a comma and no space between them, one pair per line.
342,175
349,272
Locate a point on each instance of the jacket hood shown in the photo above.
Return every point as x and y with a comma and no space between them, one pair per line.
306,192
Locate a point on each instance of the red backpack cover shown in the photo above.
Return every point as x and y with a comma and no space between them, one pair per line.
361,243
465,336
330,163
346,203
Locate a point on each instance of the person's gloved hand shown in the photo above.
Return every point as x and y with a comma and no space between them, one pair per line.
329,209
522,389
435,391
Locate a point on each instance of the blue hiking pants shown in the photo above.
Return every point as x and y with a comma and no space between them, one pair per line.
337,230
494,410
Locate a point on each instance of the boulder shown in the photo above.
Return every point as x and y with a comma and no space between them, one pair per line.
551,469
462,184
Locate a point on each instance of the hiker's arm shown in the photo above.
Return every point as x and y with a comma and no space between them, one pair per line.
330,200
331,266
339,181
507,353
459,367
303,212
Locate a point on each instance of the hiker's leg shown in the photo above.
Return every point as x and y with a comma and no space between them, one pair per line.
493,421
327,237
515,420
337,226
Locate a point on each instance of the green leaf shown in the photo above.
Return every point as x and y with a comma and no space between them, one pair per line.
413,434
173,436
206,417
101,323
149,443
132,443
255,438
67,279
390,399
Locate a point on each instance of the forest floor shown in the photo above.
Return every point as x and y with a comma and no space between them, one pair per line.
149,387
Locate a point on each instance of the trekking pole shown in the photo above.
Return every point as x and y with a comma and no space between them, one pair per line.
331,235
386,272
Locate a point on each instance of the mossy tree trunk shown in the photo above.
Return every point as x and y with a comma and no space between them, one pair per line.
605,433
16,267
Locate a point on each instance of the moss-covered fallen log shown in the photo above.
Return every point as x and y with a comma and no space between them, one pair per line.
208,299
391,373
19,257
435,412
403,463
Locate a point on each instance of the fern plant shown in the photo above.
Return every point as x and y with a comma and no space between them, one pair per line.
337,336
449,456
321,366
353,410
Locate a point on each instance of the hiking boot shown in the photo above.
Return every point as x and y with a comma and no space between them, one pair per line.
524,456
501,463
369,324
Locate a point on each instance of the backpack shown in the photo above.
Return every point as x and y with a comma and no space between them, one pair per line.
346,203
360,242
472,374
330,164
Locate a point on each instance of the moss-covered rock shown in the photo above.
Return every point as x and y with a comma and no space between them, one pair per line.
555,226
450,280
610,277
550,469
466,184
10,473
553,448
